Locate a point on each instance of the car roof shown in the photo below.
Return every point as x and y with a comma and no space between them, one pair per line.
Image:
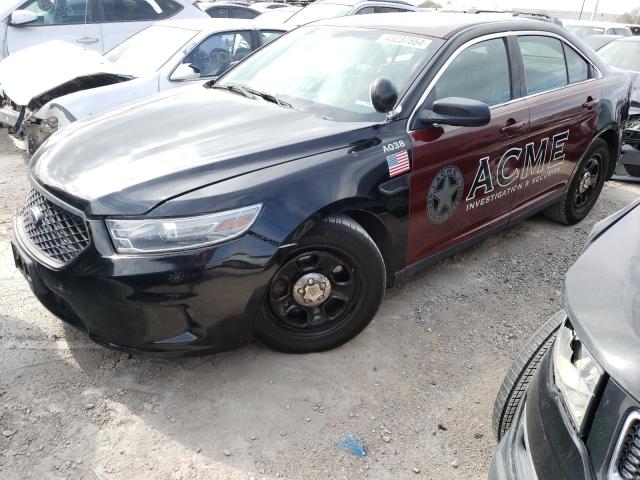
210,25
633,38
433,24
588,23
357,2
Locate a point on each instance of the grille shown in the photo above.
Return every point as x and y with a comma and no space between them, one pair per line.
58,234
628,463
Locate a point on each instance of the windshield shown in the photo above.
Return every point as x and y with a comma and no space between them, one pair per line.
620,54
584,31
328,71
319,11
148,50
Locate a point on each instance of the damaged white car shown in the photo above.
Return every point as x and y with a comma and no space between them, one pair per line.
82,82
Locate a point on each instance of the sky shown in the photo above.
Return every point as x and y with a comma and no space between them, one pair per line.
606,6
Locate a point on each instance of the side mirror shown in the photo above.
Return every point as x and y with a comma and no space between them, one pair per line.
384,94
185,72
22,17
456,111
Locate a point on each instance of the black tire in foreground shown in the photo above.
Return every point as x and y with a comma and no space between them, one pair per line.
585,187
326,292
633,170
522,369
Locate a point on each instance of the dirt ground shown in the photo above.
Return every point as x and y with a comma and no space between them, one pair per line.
417,387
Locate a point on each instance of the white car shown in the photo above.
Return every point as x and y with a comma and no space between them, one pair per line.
321,9
81,82
584,28
95,24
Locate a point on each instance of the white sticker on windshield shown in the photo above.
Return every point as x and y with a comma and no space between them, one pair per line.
404,40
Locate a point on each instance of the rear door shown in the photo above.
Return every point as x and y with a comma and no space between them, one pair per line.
564,100
73,21
462,180
123,18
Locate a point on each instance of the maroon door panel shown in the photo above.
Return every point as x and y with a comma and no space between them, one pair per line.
462,180
562,124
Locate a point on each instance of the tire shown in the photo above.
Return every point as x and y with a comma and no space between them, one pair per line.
633,170
522,369
569,210
337,250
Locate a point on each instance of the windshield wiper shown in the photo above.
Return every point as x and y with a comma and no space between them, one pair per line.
236,89
269,97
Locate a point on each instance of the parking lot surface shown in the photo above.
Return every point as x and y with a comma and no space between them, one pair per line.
417,387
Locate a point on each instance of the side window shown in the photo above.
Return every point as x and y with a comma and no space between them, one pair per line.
267,36
481,72
138,10
390,10
218,12
544,64
242,13
216,53
577,66
365,10
60,12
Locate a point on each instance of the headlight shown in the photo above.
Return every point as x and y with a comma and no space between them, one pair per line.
167,234
576,373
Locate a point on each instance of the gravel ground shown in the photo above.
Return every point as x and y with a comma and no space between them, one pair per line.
417,387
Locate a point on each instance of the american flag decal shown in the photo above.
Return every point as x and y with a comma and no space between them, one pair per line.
398,163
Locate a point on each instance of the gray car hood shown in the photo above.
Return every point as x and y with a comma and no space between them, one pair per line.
602,298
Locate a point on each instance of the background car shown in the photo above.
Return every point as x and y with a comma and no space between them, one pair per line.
279,15
598,41
321,9
266,6
624,53
229,10
93,24
584,28
80,83
569,407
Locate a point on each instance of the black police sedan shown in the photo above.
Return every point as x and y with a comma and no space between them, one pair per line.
282,199
569,407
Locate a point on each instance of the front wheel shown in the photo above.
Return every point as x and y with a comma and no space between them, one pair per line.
326,292
521,373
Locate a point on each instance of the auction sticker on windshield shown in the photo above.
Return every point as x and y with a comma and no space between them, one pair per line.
404,40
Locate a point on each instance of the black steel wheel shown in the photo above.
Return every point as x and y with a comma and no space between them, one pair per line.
326,291
585,186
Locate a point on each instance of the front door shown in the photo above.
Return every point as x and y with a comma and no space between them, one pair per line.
68,20
564,103
462,182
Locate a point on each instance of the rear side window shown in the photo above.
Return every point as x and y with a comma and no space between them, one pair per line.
481,72
138,10
365,11
544,65
243,13
390,10
577,67
60,12
218,12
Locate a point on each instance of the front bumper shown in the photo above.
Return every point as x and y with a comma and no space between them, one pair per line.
541,443
9,117
203,300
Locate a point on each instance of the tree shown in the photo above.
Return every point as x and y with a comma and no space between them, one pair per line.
430,4
630,17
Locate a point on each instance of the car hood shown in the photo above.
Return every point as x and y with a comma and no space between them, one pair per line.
127,160
602,298
23,81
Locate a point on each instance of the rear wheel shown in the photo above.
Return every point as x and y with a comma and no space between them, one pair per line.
585,187
521,372
326,292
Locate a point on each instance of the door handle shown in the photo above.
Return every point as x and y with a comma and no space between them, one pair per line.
87,40
590,103
513,127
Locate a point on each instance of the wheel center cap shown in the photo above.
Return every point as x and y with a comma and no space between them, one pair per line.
311,289
585,181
